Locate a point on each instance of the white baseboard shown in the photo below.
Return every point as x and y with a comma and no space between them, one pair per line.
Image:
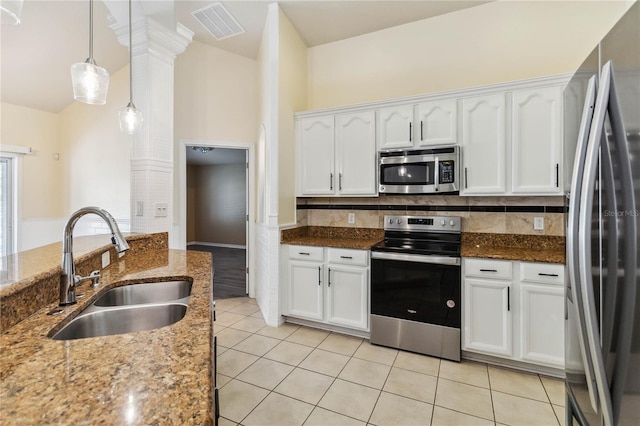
200,243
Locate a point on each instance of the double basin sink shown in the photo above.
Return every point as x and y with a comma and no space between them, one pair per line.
131,308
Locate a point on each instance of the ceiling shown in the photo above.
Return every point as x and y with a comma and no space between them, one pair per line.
36,55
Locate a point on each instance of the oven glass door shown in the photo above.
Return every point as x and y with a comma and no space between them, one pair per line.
422,292
407,173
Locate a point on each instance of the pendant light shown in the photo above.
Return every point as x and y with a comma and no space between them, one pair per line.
130,117
11,10
90,82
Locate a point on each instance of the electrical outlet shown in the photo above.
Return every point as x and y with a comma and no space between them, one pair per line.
106,259
538,223
351,218
162,210
139,208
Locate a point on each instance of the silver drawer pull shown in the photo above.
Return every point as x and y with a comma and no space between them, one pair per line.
542,274
346,257
488,270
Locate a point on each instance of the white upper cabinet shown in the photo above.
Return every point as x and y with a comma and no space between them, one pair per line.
537,142
483,145
356,153
337,155
436,123
316,156
395,127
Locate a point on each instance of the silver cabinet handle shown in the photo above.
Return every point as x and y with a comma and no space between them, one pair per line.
346,257
557,175
436,175
340,181
319,275
421,131
329,284
466,179
508,298
542,274
304,253
488,270
410,137
330,181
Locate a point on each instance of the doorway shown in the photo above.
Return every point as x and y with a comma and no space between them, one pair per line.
216,202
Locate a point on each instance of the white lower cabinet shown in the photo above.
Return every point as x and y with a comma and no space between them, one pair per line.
514,310
328,285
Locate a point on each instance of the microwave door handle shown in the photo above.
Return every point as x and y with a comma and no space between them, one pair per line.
436,174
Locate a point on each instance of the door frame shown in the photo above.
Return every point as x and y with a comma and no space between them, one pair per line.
181,241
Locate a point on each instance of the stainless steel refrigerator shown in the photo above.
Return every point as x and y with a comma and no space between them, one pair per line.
602,321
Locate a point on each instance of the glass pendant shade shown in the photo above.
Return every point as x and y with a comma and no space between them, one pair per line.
90,83
11,11
130,119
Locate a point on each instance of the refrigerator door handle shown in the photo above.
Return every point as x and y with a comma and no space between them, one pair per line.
584,247
573,289
626,312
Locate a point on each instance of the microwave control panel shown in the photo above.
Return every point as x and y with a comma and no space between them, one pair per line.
447,174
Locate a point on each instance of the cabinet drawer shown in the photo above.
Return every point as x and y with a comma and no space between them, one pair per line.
348,257
306,253
545,273
496,269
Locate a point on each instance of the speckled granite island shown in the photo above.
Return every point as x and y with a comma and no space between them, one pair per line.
161,376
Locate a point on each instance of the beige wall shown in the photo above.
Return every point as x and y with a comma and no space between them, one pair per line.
96,154
215,95
490,43
215,99
292,87
42,175
218,198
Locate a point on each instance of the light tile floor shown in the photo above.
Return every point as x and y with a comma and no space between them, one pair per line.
292,375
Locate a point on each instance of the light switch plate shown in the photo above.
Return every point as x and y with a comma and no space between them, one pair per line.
161,209
538,223
139,208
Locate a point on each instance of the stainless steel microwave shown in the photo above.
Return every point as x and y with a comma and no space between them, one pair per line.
424,171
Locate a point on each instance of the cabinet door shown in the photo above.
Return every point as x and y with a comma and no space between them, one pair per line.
483,145
541,331
487,319
395,127
536,156
316,156
436,123
356,153
305,290
348,296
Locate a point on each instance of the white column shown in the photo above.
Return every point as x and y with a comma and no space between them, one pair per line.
155,48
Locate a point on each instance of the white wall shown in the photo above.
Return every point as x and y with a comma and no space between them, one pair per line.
292,88
96,155
491,43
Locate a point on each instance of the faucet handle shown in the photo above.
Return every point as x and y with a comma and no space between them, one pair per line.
93,276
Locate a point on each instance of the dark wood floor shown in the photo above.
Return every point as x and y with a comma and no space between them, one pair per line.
229,278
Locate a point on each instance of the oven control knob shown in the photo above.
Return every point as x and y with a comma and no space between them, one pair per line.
452,223
399,221
390,221
443,222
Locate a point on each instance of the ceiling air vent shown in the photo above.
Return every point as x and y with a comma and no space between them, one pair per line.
218,21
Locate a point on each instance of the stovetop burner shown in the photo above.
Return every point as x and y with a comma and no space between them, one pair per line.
427,235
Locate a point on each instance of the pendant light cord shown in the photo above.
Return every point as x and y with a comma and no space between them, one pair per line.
91,31
130,58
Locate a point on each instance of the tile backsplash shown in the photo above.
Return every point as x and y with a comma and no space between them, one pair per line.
501,215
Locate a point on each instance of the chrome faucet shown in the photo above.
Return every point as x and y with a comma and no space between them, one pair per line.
69,280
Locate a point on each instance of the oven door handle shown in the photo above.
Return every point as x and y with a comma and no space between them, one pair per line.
439,260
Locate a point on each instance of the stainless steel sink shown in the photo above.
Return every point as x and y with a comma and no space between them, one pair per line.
130,308
121,320
137,294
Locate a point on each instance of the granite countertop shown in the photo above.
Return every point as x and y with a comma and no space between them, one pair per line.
161,376
330,236
527,248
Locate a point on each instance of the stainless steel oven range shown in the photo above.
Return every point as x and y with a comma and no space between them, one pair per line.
415,286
